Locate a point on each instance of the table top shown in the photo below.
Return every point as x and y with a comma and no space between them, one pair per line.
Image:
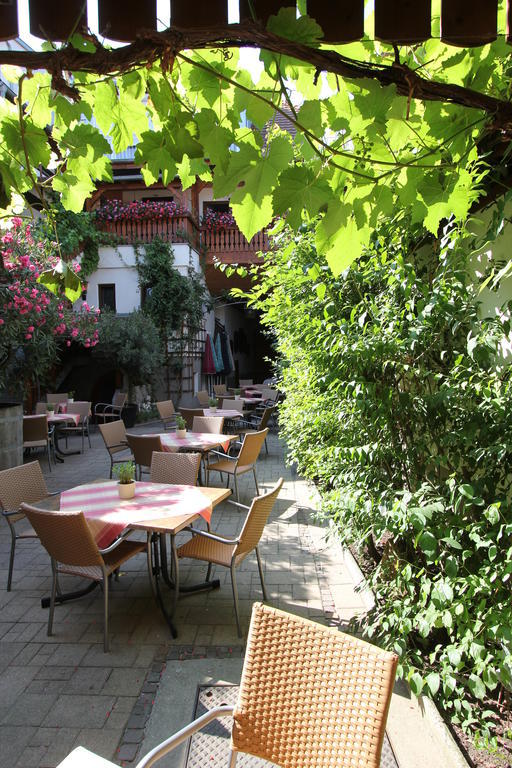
57,418
198,441
155,507
228,413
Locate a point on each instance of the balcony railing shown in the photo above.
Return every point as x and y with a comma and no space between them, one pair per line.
227,245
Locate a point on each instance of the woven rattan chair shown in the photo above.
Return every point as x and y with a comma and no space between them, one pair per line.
167,413
309,696
189,413
220,389
244,462
231,552
83,408
106,412
233,404
114,437
208,424
17,485
175,468
57,397
256,423
142,447
68,540
203,398
41,408
37,435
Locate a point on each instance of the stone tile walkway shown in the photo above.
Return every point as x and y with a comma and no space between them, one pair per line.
61,691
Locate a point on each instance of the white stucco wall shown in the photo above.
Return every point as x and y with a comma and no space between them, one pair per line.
117,266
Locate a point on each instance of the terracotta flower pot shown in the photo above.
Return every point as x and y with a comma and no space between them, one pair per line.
8,20
202,13
126,490
341,22
57,19
124,21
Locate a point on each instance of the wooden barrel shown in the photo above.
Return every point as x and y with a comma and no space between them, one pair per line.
201,13
57,19
11,435
124,21
263,9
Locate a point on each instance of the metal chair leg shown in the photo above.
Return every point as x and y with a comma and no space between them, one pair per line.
236,487
256,481
235,600
52,599
105,613
260,569
150,564
232,758
49,457
11,557
209,571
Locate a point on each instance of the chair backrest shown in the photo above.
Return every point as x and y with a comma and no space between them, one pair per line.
233,405
245,382
65,536
57,397
267,413
165,409
189,413
267,393
203,397
220,389
22,483
251,447
114,436
212,424
175,468
256,519
40,408
311,694
81,407
119,399
143,446
35,428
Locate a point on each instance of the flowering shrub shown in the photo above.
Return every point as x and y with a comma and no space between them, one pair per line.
35,324
217,220
116,210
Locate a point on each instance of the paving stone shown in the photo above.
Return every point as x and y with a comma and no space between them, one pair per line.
88,680
103,742
125,682
133,736
32,757
79,711
13,740
29,709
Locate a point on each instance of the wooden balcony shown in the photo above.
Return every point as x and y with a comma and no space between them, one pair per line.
228,246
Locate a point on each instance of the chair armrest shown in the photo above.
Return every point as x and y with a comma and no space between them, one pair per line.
102,405
220,453
124,444
174,741
116,543
212,536
54,493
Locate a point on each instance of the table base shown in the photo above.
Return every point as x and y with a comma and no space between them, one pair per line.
65,596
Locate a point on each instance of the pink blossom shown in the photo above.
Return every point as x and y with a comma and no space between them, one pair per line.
31,329
28,335
1,321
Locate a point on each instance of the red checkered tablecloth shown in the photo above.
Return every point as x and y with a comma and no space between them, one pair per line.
58,418
111,515
199,441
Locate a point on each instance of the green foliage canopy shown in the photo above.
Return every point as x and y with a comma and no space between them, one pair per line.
360,151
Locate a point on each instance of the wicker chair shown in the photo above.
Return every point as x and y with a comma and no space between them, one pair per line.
220,389
309,696
208,424
189,413
231,552
256,423
114,437
68,540
110,411
233,404
244,462
17,485
175,468
41,408
37,435
203,398
83,408
167,413
142,448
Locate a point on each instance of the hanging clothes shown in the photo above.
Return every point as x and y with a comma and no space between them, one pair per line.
208,366
219,364
230,353
226,353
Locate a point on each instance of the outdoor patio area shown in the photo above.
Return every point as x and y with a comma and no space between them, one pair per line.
62,691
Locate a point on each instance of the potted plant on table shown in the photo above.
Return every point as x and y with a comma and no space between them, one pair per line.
125,474
50,407
181,427
71,397
213,402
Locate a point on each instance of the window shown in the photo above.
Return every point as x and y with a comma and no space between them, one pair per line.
219,206
162,199
107,296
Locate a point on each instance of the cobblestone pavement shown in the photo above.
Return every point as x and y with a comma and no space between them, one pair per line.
62,691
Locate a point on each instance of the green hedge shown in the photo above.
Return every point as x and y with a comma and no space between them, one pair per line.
398,408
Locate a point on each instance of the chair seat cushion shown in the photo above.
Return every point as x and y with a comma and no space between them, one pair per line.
201,548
